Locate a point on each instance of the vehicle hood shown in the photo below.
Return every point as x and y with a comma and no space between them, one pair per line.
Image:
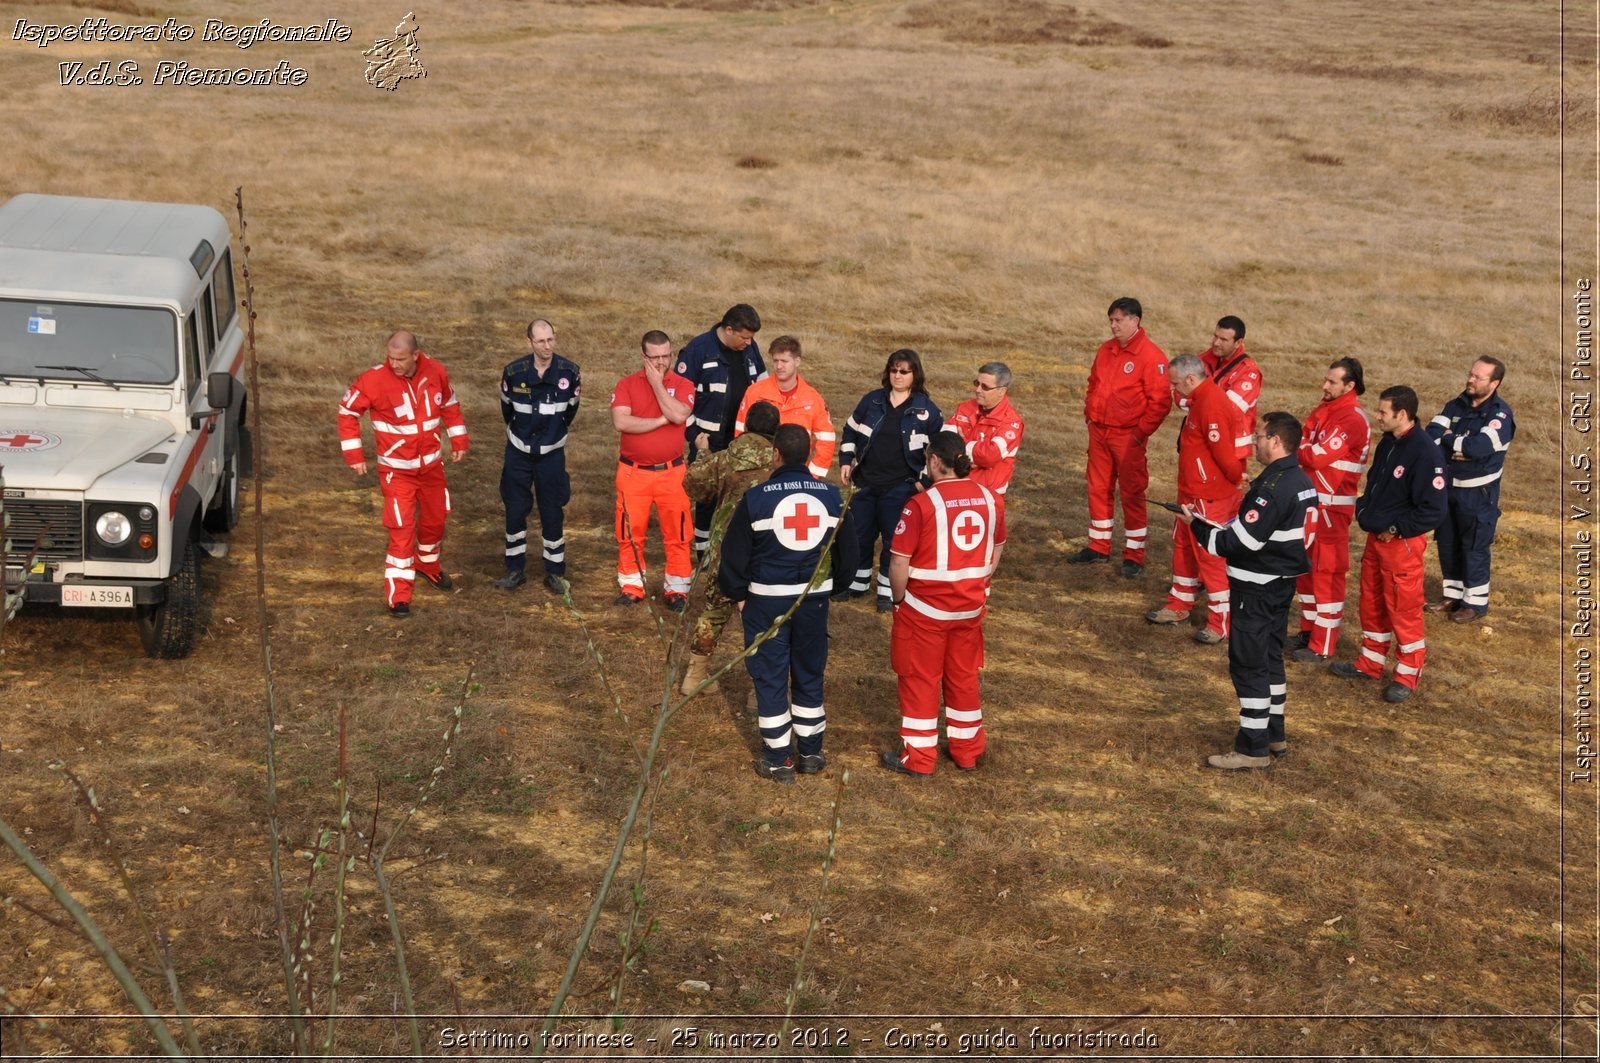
68,450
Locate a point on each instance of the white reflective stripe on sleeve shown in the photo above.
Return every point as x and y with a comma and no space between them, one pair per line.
1243,441
1239,400
819,471
1000,445
858,426
1336,500
431,423
825,437
1250,541
350,444
1295,535
1477,481
511,437
709,426
454,430
1494,437
522,407
1349,466
1442,421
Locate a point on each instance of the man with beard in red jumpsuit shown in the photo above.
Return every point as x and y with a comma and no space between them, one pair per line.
990,427
1237,374
1127,399
945,551
1209,477
407,397
1333,452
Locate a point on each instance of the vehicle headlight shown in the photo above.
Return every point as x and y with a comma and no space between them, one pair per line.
113,527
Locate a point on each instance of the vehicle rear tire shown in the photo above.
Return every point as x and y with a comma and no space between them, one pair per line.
224,511
167,630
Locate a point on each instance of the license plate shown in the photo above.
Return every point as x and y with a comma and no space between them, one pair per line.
97,597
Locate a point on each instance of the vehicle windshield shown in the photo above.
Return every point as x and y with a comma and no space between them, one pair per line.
115,344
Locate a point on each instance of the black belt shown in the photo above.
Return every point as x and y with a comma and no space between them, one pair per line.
673,464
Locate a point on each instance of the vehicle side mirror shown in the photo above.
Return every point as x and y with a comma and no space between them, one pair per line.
220,390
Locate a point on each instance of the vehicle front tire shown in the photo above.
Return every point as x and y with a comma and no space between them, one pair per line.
167,630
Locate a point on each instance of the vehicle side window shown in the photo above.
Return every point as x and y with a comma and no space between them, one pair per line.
211,324
222,292
192,358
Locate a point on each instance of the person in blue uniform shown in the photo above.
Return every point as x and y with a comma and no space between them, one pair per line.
776,558
721,364
538,399
1265,547
884,456
1474,432
1404,499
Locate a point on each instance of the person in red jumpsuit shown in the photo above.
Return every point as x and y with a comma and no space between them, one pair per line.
990,427
1127,399
1209,478
1237,374
1333,452
945,551
408,398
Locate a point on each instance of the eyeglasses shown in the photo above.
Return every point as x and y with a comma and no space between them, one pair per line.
981,386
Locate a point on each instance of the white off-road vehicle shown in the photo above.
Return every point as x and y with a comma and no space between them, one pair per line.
122,437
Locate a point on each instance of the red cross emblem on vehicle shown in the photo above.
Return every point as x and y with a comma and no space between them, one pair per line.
968,529
20,439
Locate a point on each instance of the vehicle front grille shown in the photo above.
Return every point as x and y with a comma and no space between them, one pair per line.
57,528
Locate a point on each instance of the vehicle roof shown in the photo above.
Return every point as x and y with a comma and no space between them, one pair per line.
90,250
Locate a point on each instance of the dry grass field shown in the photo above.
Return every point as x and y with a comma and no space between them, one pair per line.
972,179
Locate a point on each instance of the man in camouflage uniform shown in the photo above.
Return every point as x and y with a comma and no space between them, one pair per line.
721,478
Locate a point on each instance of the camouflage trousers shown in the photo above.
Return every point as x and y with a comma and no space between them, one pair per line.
715,613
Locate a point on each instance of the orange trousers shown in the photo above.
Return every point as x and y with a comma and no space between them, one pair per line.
637,490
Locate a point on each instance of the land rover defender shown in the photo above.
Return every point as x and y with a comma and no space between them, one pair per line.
122,437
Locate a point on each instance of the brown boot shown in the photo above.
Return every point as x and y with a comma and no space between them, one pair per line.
695,674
